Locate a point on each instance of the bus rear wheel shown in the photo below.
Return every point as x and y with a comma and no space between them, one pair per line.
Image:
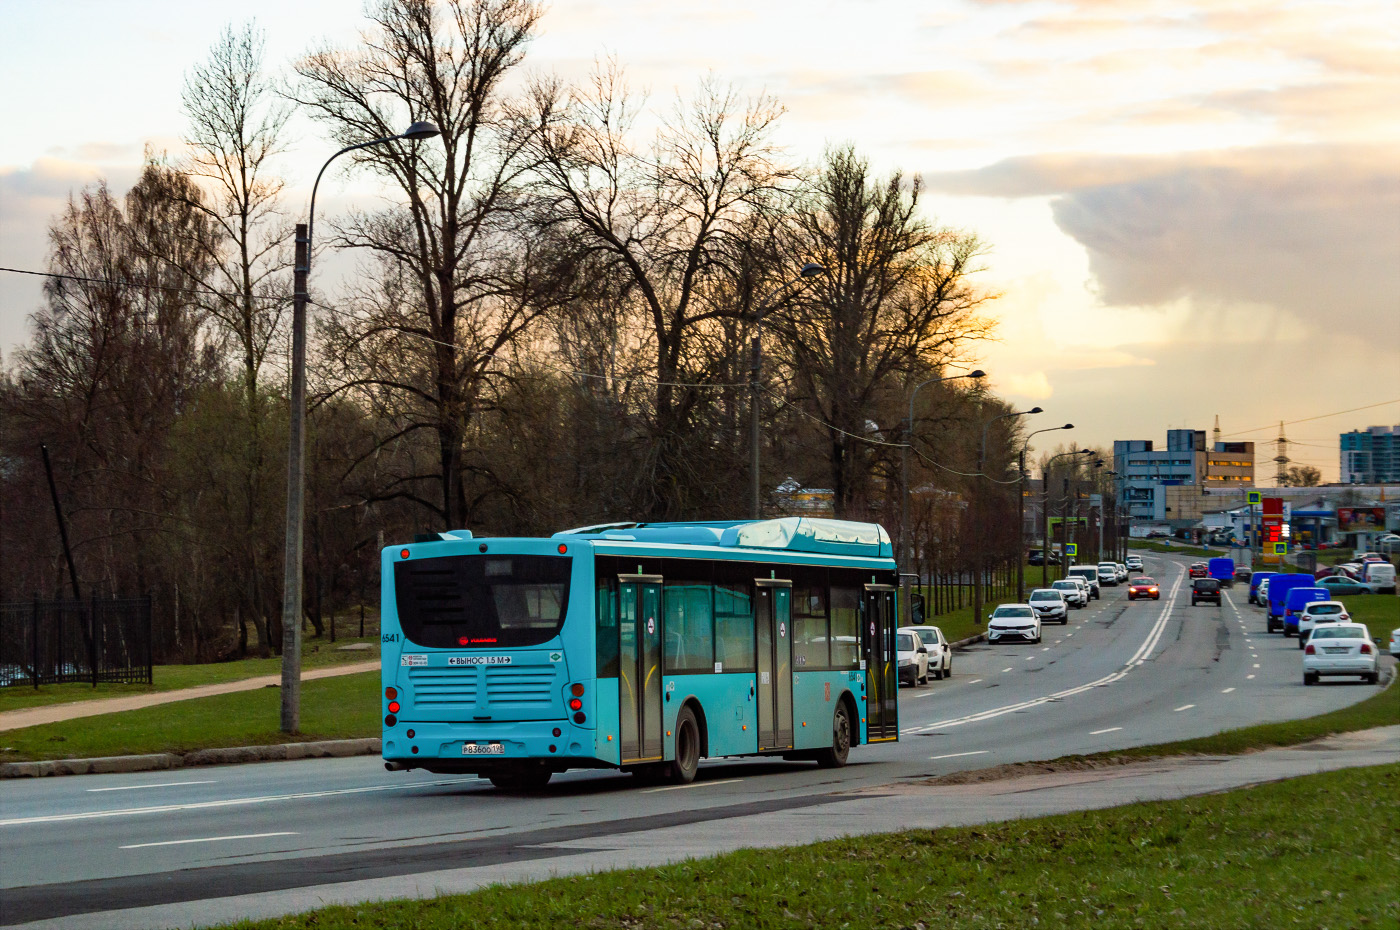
521,779
681,771
835,757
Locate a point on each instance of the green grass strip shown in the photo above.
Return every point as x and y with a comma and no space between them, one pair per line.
1316,851
345,707
314,654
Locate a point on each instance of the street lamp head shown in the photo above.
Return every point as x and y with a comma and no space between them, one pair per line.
1068,426
1035,410
421,129
976,373
812,269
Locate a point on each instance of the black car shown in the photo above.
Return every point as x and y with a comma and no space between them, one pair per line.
1036,557
1205,590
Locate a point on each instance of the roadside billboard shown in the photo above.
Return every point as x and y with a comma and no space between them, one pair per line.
1360,519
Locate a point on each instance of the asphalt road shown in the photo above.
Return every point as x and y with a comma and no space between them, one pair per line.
207,845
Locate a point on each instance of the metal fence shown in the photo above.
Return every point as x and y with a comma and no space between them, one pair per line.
92,641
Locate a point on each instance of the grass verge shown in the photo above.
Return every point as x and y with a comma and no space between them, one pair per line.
1311,850
1175,549
331,708
314,654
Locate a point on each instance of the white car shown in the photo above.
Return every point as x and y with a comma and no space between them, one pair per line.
1013,621
1134,563
1090,574
912,655
1084,585
1122,572
1108,573
1076,592
940,653
1395,642
1049,604
1262,596
1318,613
1340,649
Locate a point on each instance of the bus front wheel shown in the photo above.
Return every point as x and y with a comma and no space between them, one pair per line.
682,770
835,757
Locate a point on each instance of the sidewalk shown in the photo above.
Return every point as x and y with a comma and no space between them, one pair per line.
53,713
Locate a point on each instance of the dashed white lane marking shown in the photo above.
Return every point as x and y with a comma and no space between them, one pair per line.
1138,658
974,681
1256,664
959,755
1227,690
1068,635
1046,648
1028,658
1183,707
694,784
1248,677
230,802
208,839
164,784
1108,730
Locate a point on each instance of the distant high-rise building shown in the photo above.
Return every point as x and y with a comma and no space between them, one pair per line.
1371,456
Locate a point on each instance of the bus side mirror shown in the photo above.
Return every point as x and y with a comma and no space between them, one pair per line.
916,608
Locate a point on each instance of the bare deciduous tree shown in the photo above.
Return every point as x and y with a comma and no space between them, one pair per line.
458,281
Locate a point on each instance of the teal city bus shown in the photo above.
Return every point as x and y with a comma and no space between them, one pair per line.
639,646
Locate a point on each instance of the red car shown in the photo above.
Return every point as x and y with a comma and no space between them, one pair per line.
1142,586
1200,570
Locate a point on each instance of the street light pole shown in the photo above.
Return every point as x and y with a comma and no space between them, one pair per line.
809,270
1021,514
1045,509
906,539
296,445
977,512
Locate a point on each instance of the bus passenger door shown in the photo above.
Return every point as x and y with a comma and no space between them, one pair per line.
881,672
639,667
773,616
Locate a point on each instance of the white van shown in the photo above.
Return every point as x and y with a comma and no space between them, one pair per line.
1090,574
1380,576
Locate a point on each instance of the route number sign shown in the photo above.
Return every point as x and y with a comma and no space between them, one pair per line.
1071,549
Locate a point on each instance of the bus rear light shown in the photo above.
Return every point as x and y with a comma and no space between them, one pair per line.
403,553
391,693
390,720
579,717
563,548
575,704
558,732
411,734
464,641
393,707
577,690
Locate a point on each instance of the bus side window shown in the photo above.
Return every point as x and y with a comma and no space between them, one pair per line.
607,627
689,643
845,627
809,632
734,627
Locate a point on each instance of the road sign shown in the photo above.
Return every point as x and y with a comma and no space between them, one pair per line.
1071,549
1254,497
1280,548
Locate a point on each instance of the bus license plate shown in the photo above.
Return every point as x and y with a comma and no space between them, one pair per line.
483,749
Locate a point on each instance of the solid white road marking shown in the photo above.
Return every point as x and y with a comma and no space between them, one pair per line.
694,784
1183,707
1109,730
164,784
1227,690
958,755
228,802
208,839
1137,659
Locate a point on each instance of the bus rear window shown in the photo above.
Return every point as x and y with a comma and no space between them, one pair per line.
482,601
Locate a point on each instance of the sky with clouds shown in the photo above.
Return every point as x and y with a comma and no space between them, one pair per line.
1192,208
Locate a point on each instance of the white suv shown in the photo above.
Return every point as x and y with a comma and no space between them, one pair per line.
1013,621
1108,573
1076,592
1090,574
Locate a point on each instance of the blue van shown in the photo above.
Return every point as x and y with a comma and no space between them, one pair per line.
1279,586
1222,569
1298,598
1254,585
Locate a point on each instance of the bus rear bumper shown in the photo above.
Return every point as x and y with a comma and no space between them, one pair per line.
483,746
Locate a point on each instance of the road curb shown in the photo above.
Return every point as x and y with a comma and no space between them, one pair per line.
322,749
963,643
